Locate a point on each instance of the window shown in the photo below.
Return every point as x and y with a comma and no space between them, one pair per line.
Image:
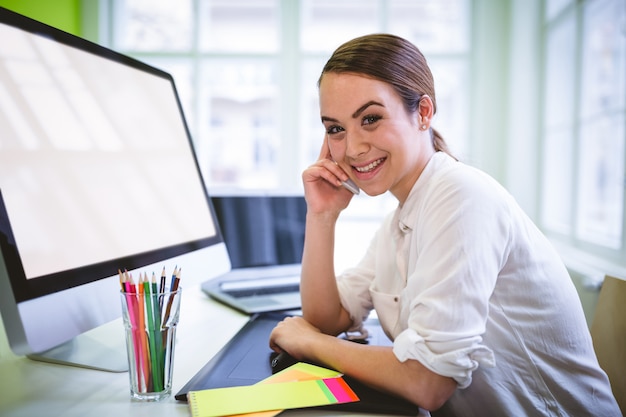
247,70
247,74
584,125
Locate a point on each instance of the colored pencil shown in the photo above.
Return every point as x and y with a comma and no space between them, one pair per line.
154,363
145,302
131,305
173,278
157,329
162,288
143,337
173,288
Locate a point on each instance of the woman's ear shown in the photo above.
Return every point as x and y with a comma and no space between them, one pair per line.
425,110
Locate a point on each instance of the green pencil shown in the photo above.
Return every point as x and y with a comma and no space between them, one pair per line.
154,361
157,332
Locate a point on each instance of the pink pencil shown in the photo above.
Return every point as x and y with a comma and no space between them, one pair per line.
142,334
131,303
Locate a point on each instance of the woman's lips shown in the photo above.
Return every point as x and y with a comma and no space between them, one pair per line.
369,167
367,170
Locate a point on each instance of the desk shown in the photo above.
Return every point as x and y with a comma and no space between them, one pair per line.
29,388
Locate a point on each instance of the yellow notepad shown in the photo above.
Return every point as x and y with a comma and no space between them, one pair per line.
270,396
299,371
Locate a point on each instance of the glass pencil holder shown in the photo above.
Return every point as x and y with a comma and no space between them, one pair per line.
150,319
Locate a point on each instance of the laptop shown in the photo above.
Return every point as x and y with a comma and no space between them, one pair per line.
258,289
264,235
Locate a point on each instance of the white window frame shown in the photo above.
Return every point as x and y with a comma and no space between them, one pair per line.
592,260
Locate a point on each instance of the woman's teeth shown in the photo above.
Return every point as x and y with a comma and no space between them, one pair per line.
370,166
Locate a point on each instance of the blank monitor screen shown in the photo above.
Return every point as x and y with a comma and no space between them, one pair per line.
97,171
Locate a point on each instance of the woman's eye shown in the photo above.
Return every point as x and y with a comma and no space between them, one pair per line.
371,119
331,130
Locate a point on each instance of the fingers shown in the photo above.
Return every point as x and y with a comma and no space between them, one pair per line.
325,151
276,348
286,333
323,181
325,161
327,170
274,337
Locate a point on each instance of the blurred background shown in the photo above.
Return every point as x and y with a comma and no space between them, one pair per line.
531,91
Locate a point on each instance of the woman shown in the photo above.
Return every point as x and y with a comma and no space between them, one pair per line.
483,315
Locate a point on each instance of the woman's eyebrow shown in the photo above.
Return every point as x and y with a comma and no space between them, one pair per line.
365,106
329,119
357,113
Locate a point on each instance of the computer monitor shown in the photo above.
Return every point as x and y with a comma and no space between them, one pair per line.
97,173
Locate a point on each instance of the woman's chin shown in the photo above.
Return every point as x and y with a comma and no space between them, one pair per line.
373,192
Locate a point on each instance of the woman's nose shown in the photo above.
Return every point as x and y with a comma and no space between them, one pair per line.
355,145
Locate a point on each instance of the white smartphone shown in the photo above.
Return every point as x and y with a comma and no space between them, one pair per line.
350,186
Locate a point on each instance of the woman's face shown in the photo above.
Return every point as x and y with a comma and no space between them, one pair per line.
370,134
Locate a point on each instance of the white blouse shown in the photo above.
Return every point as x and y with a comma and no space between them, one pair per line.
463,281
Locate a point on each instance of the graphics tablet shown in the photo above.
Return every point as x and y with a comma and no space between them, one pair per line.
246,360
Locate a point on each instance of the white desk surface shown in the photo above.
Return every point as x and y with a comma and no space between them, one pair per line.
29,388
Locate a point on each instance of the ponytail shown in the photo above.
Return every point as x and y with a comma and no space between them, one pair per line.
439,143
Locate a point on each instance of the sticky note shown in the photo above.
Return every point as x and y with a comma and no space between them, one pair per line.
269,396
299,371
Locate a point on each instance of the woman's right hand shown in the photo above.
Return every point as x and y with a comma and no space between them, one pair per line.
322,185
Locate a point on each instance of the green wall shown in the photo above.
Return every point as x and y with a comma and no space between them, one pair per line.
62,14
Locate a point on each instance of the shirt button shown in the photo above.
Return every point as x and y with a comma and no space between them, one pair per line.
395,299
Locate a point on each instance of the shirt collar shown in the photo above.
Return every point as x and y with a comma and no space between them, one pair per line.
405,214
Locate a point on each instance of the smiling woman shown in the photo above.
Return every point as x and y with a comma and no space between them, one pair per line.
403,144
482,313
406,85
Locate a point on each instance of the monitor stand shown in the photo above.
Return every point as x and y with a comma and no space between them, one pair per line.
101,349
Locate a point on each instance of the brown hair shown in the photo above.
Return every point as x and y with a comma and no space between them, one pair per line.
393,60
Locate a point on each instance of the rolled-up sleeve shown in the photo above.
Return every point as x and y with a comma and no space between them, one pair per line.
458,364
